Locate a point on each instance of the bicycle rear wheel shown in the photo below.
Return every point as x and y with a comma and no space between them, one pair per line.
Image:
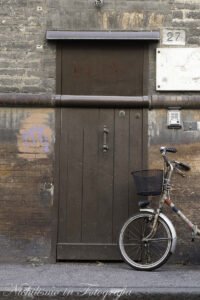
144,254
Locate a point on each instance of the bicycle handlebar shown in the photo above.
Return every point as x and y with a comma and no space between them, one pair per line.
166,149
179,166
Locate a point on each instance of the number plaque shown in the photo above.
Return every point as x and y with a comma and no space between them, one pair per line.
173,37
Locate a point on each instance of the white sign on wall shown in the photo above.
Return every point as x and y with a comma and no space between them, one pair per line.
178,69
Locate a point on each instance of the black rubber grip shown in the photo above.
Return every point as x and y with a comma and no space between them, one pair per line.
172,150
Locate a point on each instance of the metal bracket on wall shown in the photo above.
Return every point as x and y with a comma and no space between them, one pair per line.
99,3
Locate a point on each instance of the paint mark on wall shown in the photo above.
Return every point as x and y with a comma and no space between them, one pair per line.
35,136
130,20
153,128
156,20
126,20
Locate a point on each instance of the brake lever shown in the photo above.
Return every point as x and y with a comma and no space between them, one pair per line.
180,172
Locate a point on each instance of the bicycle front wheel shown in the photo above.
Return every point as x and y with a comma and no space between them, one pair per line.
138,249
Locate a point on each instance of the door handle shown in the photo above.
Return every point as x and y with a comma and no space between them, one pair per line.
105,136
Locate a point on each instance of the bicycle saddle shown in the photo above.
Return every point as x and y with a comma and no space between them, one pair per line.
143,203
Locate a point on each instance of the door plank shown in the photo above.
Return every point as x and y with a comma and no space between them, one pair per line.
90,176
121,170
136,154
105,177
71,175
88,251
145,138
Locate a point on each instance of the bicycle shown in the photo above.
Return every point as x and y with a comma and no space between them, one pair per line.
148,238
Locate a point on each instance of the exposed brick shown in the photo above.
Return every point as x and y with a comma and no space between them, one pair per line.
194,40
177,14
193,14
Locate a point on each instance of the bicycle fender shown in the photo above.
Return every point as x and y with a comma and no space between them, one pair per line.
169,223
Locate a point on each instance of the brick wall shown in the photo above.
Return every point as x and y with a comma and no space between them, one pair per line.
27,65
27,61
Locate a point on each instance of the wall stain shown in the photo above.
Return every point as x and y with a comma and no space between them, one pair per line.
130,20
126,20
156,20
35,137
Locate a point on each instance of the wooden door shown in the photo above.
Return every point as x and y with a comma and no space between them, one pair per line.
116,68
96,191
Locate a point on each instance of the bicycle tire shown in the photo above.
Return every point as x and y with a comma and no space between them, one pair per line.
141,255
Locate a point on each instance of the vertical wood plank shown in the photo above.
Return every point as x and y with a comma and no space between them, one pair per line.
136,153
71,175
105,175
90,178
145,138
63,180
121,170
55,207
58,68
145,69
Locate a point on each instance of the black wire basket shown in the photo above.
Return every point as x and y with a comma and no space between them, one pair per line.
148,182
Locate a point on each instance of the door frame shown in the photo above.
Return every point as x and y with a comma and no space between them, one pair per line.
130,103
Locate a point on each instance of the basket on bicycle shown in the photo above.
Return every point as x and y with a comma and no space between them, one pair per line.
148,182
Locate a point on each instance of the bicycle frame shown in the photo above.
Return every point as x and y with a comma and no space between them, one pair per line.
166,199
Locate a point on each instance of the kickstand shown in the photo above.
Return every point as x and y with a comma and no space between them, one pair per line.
194,232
